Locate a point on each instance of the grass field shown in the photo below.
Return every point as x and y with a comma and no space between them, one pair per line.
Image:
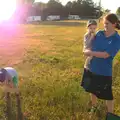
50,63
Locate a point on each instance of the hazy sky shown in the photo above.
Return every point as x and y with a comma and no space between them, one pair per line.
107,4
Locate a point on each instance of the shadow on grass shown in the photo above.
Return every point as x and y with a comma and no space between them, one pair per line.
61,23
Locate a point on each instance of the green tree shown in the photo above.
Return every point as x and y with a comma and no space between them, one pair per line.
29,1
81,7
54,7
118,11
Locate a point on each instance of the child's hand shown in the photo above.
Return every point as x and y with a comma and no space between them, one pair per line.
87,52
10,85
92,34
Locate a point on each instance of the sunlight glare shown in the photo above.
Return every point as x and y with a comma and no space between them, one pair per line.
7,8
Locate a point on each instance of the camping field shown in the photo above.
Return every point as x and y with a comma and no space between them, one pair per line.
49,60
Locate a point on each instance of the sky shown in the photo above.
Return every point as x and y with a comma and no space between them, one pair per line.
107,4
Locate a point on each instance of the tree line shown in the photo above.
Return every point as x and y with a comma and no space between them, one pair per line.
55,7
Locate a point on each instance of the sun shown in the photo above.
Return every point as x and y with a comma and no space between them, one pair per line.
7,8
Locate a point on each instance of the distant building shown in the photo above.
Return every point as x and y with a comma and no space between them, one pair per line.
34,19
53,17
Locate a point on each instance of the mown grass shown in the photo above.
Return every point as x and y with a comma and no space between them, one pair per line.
50,74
